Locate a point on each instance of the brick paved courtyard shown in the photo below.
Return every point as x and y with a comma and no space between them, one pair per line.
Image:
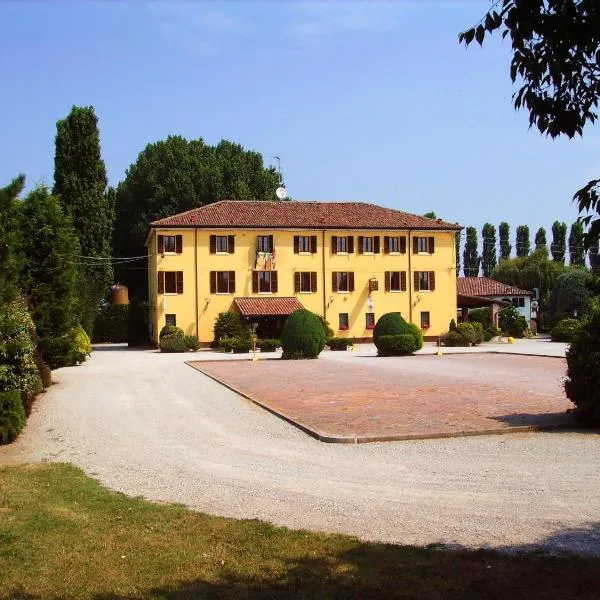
368,398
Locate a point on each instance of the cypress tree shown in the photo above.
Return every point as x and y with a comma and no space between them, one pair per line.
523,245
504,233
595,256
576,247
470,255
457,245
80,182
49,279
488,256
540,239
8,260
559,242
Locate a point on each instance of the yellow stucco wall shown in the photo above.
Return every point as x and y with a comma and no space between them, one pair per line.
200,308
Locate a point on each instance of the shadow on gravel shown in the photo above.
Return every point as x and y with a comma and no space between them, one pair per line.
555,419
386,571
120,348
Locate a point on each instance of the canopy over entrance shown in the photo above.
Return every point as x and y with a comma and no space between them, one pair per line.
267,307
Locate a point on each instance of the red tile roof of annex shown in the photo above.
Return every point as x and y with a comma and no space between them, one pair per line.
268,307
484,286
300,214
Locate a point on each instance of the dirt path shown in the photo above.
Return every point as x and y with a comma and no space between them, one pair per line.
148,424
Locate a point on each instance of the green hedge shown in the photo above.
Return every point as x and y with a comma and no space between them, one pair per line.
268,345
565,330
178,343
12,416
303,335
338,343
111,324
401,344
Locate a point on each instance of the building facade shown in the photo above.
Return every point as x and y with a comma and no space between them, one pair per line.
348,262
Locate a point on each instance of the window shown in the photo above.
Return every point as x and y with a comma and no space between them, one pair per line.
342,244
171,320
424,281
170,282
342,281
222,244
368,244
395,281
344,323
423,245
169,244
305,282
394,244
264,243
425,320
370,320
518,302
304,244
222,282
264,282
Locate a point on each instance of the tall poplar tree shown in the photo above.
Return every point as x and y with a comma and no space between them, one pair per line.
8,261
523,246
488,255
80,182
504,234
576,247
594,254
559,242
540,239
457,246
470,255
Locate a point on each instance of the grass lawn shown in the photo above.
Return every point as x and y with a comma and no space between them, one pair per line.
62,535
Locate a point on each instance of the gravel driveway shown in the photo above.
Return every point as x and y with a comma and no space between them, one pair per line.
147,424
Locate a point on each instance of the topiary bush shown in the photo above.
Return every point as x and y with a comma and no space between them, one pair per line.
338,343
111,324
170,330
226,344
12,416
82,347
465,334
394,324
173,343
229,325
241,345
582,385
191,342
565,330
402,344
268,345
453,338
303,335
512,323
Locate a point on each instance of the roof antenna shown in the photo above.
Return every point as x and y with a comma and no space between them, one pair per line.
280,192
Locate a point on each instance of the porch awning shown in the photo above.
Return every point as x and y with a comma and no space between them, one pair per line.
477,301
267,307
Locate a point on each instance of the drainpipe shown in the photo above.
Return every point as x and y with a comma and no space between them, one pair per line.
196,279
323,284
410,279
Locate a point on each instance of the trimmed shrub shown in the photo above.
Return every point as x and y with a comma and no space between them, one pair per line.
173,343
401,344
512,323
229,325
191,342
452,325
582,385
465,334
339,343
268,345
12,415
170,330
565,330
453,338
240,345
572,292
111,324
82,347
394,324
226,344
481,315
303,335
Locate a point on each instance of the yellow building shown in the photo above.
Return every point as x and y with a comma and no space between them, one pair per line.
349,262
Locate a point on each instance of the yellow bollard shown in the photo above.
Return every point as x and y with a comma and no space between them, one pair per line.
439,353
511,340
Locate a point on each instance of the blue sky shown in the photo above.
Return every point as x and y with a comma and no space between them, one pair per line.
363,101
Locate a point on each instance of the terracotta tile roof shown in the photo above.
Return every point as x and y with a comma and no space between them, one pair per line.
268,307
305,215
484,286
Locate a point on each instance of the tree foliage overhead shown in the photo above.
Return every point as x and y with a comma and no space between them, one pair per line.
523,245
488,255
504,234
576,247
556,59
559,241
175,175
471,257
80,182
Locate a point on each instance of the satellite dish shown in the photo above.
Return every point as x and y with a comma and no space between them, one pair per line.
281,193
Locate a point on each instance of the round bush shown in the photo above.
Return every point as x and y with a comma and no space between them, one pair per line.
582,385
12,416
303,335
416,333
173,343
401,344
394,324
453,338
170,330
565,330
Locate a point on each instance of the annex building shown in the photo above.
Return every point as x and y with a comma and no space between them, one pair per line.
349,262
